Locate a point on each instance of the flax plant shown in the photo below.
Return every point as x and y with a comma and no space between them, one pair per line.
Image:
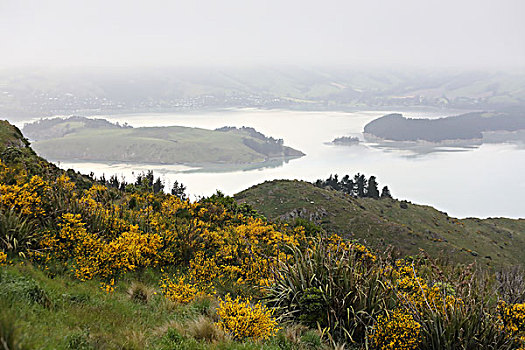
334,288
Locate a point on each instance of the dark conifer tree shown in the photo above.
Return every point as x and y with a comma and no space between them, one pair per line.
138,182
372,190
385,193
347,185
113,181
179,190
158,186
361,184
149,179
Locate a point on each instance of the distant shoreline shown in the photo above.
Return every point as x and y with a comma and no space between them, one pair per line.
137,113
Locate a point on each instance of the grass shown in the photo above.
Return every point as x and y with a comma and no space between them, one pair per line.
41,311
165,145
80,310
10,136
379,223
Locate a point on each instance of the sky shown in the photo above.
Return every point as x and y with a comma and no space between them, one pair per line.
387,33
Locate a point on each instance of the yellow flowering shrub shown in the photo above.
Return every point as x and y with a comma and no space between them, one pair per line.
3,258
362,253
396,331
243,254
108,287
24,197
178,291
137,248
415,293
92,256
63,182
242,319
203,271
512,317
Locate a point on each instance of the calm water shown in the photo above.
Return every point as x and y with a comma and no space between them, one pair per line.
484,181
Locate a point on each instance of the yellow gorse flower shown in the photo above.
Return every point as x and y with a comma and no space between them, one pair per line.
179,291
512,318
24,197
3,258
396,331
415,293
92,256
242,319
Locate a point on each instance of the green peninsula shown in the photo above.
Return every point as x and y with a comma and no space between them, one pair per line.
84,139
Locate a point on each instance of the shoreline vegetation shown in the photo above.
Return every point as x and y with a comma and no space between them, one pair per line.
84,139
345,141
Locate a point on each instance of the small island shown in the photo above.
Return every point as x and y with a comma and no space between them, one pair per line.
84,139
469,126
345,141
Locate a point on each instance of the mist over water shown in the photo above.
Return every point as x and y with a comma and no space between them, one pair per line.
485,181
100,57
467,33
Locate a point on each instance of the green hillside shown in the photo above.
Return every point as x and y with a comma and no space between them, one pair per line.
384,222
75,139
42,92
92,264
10,136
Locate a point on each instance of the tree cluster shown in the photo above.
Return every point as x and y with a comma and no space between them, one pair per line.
145,182
346,140
358,186
268,146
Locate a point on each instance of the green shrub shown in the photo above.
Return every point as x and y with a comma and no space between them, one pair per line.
310,228
334,289
22,288
469,327
17,234
311,340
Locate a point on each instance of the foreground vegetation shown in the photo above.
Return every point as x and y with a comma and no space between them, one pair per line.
85,266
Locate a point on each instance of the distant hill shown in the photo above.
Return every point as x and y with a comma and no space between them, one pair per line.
29,93
379,223
462,127
83,139
45,129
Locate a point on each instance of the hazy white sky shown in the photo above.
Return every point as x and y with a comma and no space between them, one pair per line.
428,33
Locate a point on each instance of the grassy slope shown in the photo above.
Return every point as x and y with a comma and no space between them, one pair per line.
51,309
61,312
64,313
383,222
15,150
10,136
174,144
